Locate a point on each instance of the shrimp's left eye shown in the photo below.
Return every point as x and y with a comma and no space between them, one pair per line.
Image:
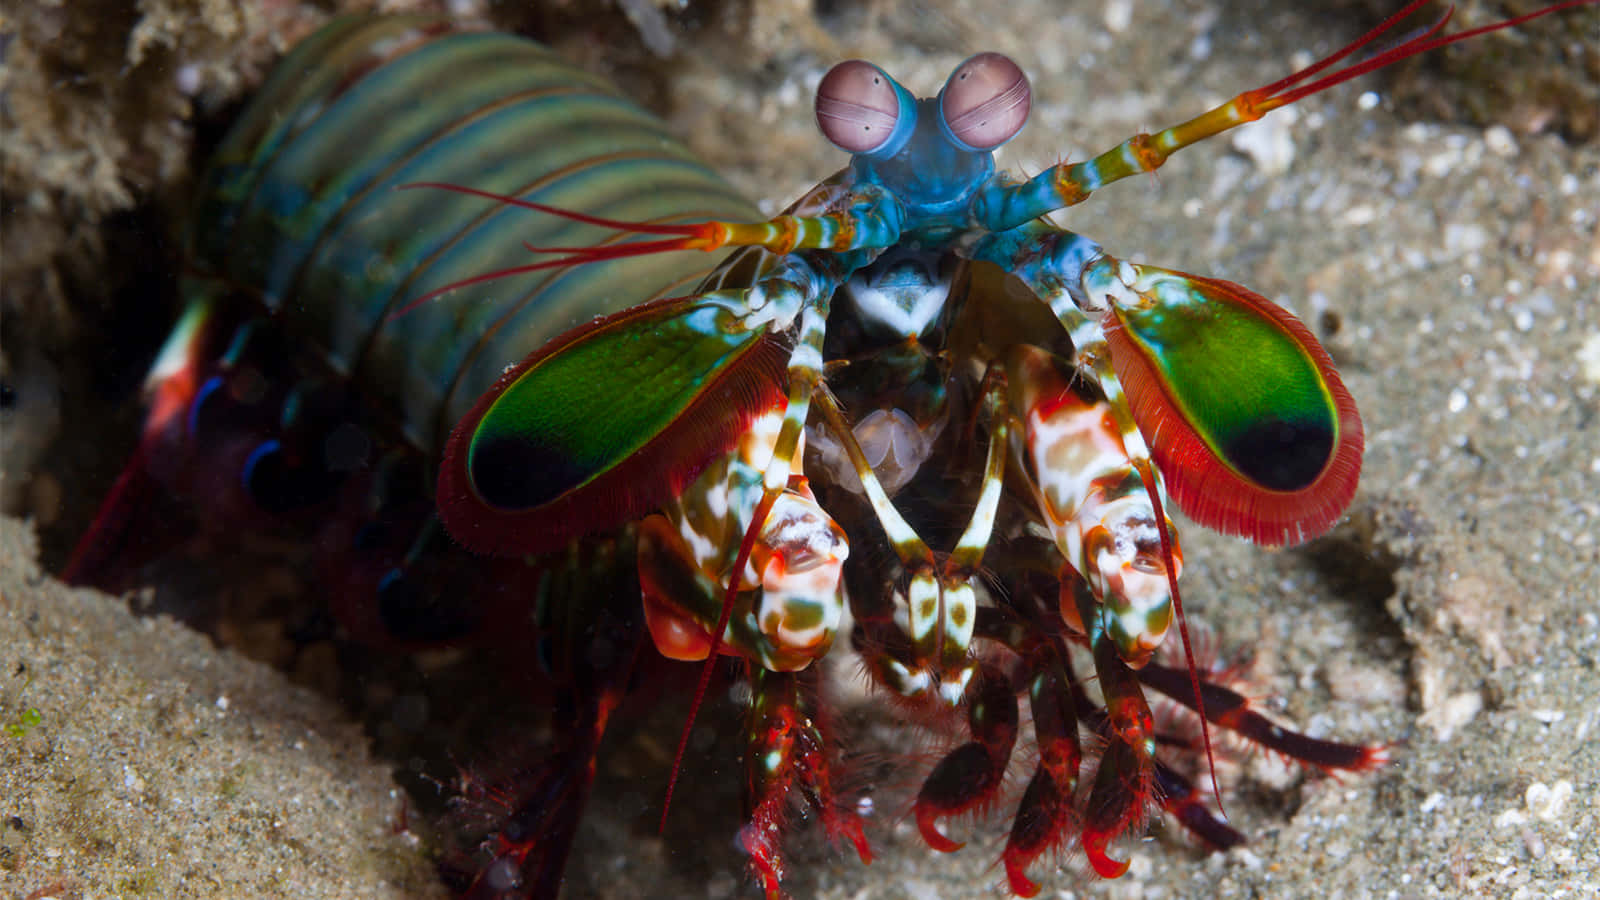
985,102
860,109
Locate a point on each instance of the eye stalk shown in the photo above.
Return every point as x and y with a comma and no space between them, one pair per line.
861,110
985,102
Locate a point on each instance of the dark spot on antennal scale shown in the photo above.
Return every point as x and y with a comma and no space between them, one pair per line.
1282,455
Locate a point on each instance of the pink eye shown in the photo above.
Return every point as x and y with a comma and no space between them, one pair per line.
985,102
860,109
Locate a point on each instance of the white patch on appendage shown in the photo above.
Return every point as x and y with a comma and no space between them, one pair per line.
756,297
1088,333
900,533
1070,451
711,515
951,690
178,350
760,437
1119,293
912,684
878,307
774,476
806,357
799,528
1134,577
902,618
981,526
1131,159
705,552
1130,520
1139,603
715,500
922,600
771,304
959,597
779,609
777,476
1114,397
178,353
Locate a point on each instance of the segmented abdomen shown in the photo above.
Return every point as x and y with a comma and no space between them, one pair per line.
301,206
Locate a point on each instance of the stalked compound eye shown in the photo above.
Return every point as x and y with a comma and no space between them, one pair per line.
860,109
985,102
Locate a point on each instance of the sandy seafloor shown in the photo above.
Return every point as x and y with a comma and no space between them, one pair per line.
1452,269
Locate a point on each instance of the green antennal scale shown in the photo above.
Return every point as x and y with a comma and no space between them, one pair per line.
534,463
1243,409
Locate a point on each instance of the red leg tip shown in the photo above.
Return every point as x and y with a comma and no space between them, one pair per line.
764,860
1017,875
927,823
852,829
1373,756
1094,845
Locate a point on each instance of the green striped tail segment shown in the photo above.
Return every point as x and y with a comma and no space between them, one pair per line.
1246,416
301,205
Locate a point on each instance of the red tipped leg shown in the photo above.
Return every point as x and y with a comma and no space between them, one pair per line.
970,775
1046,812
787,753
